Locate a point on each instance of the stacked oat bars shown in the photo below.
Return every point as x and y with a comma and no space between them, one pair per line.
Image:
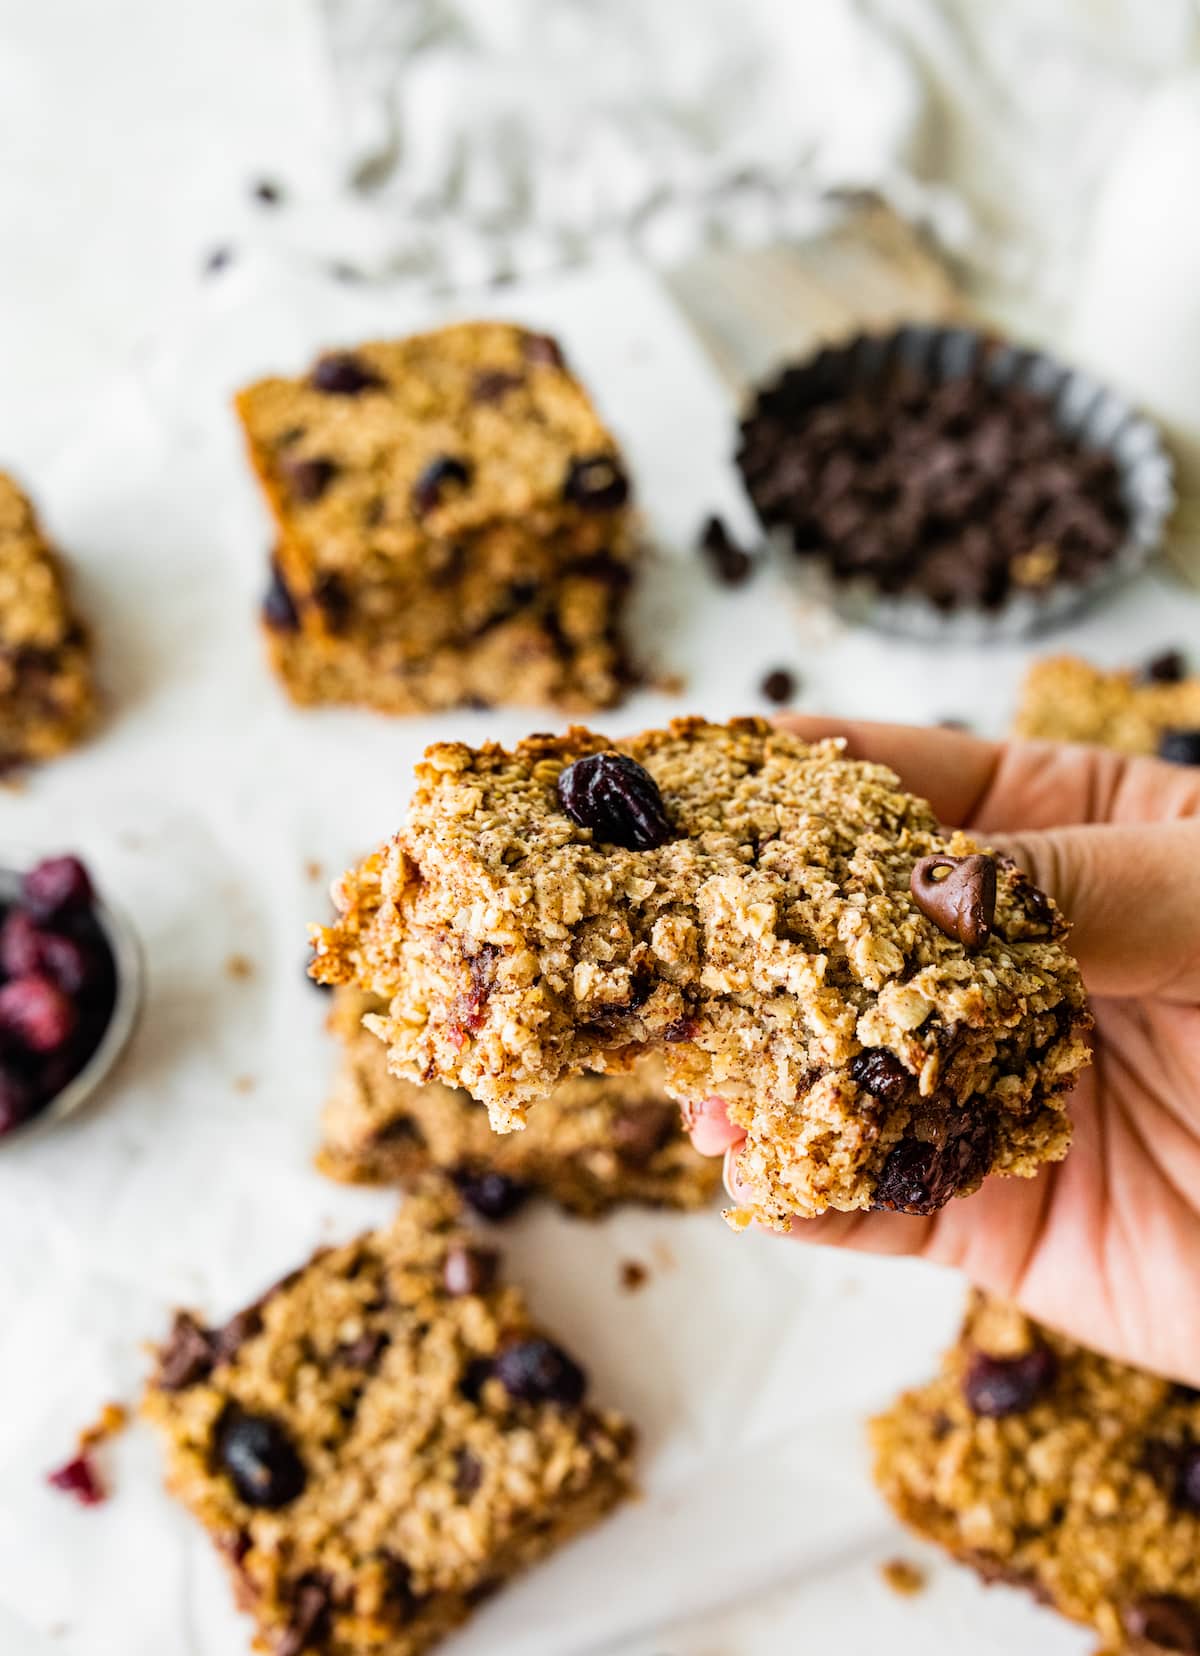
453,526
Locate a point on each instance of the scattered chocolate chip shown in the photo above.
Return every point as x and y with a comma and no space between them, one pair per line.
493,384
78,1479
444,472
469,1270
468,1473
279,610
307,479
880,1073
492,1195
537,1371
633,1275
640,1131
779,685
1164,1622
1181,747
312,1600
219,259
731,563
958,894
187,1356
1001,1386
57,886
342,374
920,1176
260,1458
542,348
1170,667
617,799
596,483
267,192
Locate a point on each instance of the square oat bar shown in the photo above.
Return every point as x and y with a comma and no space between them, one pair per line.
889,1012
46,697
1064,699
382,1440
595,1142
1044,1465
453,526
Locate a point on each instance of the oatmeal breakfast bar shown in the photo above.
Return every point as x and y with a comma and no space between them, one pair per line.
46,697
595,1142
889,1012
453,526
1154,710
383,1439
1041,1464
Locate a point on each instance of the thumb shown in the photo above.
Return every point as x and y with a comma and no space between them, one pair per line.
1132,894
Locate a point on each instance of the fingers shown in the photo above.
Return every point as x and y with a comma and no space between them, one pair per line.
1133,896
711,1130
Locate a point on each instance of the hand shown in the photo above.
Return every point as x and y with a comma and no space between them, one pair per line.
1104,1246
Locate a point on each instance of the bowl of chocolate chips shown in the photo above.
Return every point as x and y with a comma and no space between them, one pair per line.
940,484
70,987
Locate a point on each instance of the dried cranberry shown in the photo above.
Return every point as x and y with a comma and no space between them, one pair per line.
78,1478
260,1458
469,1270
36,1013
442,472
617,799
342,374
920,1177
492,1195
19,952
279,610
308,479
596,483
1167,668
1162,1621
537,1371
1000,1386
57,886
880,1073
1181,747
491,386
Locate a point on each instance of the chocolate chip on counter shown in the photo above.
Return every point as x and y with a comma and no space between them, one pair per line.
617,799
730,563
490,1194
187,1356
779,685
260,1459
596,483
308,479
1181,747
311,1603
538,1371
279,610
1169,667
1163,1622
220,258
542,348
921,1177
880,1073
267,192
469,1270
958,894
641,1130
999,1386
444,472
342,374
493,384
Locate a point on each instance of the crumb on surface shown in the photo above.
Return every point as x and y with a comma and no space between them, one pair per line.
903,1576
633,1275
239,967
244,1083
313,870
113,1418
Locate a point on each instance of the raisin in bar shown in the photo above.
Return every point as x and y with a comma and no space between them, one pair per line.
46,696
453,526
1152,711
595,1142
1041,1464
889,1013
382,1439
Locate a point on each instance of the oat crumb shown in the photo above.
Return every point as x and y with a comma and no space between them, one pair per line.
903,1576
313,869
239,967
113,1417
244,1084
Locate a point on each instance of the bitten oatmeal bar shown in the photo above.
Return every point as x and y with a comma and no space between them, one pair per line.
1152,711
890,1014
453,524
1042,1464
382,1440
596,1141
46,697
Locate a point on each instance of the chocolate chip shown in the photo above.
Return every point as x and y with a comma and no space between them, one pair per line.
596,483
996,1387
312,1600
617,799
779,685
542,348
537,1371
469,1270
332,597
958,894
219,259
494,384
268,192
444,472
468,1473
279,610
187,1356
1181,747
1170,667
880,1073
260,1459
307,479
474,1377
921,1176
731,563
641,1130
1163,1621
342,374
492,1195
